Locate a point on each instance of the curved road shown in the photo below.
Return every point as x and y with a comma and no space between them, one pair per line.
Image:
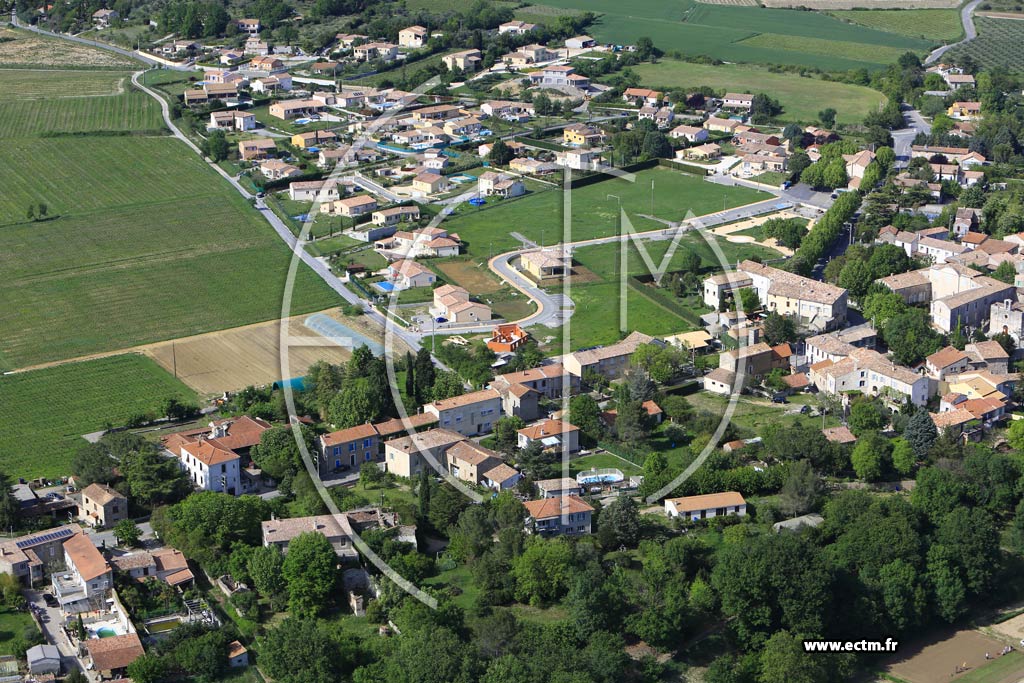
970,33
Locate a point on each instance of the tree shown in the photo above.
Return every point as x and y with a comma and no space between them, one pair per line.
146,669
827,117
277,454
266,570
748,300
855,277
793,133
585,414
870,456
300,650
425,374
309,571
779,328
542,573
446,385
203,658
921,433
801,489
910,336
867,415
501,154
764,108
217,145
127,532
656,146
631,422
619,524
903,457
92,463
784,660
1006,341
506,433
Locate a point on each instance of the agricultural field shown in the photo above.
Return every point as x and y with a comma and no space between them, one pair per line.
45,412
801,97
22,48
722,32
543,14
997,45
941,25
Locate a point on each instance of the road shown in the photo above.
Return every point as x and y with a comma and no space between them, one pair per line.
51,620
970,33
904,137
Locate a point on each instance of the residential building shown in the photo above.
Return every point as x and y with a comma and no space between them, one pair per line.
314,138
720,381
238,656
466,60
275,169
698,340
580,135
293,109
43,659
267,64
837,345
695,508
396,215
165,564
946,361
315,190
532,166
563,516
988,355
87,579
691,134
958,295
556,488
581,159
104,17
1007,317
461,128
869,372
438,112
27,557
471,414
495,184
546,263
351,207
109,657
429,183
719,125
551,381
470,462
964,111
610,361
102,506
280,532
453,304
260,148
732,100
516,28
552,434
642,96
506,338
406,274
705,152
211,467
413,36
425,242
407,456
233,120
348,449
505,109
250,26
957,81
386,52
255,46
401,426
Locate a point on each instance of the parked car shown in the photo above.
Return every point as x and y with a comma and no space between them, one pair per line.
50,600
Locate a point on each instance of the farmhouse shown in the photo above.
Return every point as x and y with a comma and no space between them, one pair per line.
102,506
869,372
695,508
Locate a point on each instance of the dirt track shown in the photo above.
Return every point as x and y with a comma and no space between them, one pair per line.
938,659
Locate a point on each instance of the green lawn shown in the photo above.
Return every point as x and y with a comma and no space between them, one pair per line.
754,414
719,31
1005,668
600,461
13,627
801,97
45,412
942,25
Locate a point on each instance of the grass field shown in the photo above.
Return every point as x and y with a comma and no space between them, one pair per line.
45,412
14,625
22,48
719,31
802,98
997,45
931,24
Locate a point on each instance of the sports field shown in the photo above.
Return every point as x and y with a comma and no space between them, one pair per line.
802,98
941,25
997,45
539,217
45,412
721,31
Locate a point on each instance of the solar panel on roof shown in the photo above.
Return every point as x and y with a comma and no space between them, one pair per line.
45,538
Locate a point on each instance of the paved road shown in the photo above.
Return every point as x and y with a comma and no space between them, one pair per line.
379,190
51,620
970,33
904,137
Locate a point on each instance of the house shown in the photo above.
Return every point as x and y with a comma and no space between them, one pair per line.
193,97
718,125
43,659
395,215
238,656
266,64
556,488
166,564
470,414
532,166
515,28
957,294
401,426
407,274
966,220
563,516
470,462
705,152
250,26
27,557
211,467
406,456
413,36
517,148
869,372
347,40
755,360
836,345
420,243
232,120
1007,317
466,127
104,17
699,340
505,109
352,206
495,184
732,100
546,263
440,112
695,508
582,159
275,169
580,135
87,579
325,68
964,111
255,46
220,91
293,109
260,148
550,381
506,338
314,190
840,435
109,657
102,506
313,138
386,52
610,361
642,96
691,134
946,361
580,42
348,448
857,163
466,60
280,532
559,75
956,81
452,303
988,355
552,434
429,183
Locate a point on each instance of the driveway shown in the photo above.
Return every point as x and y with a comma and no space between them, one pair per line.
51,619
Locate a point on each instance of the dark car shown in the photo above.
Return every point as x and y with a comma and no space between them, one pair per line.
50,600
779,398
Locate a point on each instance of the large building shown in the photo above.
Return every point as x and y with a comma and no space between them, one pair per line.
348,449
87,580
469,414
957,295
610,361
407,456
869,372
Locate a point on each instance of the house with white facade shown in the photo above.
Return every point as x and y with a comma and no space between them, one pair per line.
695,508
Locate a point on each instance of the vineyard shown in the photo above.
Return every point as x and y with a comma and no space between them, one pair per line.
935,24
998,44
46,412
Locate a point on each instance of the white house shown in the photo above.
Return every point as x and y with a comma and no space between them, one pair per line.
707,506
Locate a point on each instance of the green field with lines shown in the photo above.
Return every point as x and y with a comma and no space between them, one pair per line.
941,25
44,413
997,45
725,32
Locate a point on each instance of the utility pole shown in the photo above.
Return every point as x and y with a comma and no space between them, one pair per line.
652,197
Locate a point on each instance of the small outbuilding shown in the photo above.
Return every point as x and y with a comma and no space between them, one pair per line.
43,659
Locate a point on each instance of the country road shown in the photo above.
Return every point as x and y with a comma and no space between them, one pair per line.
970,33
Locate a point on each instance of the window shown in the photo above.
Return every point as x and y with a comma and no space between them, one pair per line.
351,447
366,443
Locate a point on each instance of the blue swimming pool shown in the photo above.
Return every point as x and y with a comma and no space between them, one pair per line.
387,287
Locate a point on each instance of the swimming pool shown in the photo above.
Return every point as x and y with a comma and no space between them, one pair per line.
387,287
302,122
607,475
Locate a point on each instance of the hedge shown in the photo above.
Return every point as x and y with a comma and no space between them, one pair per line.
825,232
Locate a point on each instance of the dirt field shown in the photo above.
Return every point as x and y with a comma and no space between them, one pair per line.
477,279
1002,15
728,230
233,359
21,47
937,659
